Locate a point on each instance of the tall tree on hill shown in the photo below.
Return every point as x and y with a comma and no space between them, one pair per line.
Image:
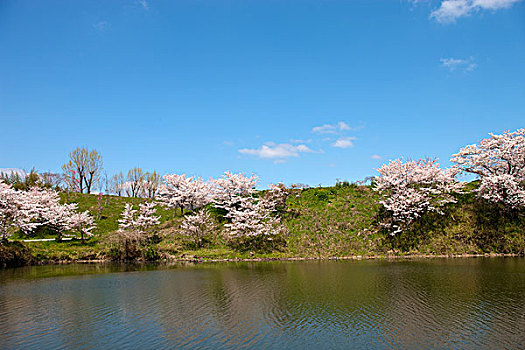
135,183
117,183
87,165
152,183
93,169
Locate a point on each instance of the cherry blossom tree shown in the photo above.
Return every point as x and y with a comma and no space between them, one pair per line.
252,217
278,194
57,217
247,214
27,210
180,191
230,188
412,188
146,216
82,223
499,163
17,210
139,220
127,217
198,226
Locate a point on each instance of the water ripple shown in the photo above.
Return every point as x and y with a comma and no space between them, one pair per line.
425,304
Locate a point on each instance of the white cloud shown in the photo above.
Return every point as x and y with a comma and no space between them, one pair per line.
344,142
375,156
300,141
451,10
102,25
144,4
452,64
281,151
331,128
343,126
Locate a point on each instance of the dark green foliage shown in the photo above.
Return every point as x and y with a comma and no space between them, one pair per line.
470,226
14,254
259,244
23,183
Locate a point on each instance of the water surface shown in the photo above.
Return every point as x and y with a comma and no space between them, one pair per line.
440,303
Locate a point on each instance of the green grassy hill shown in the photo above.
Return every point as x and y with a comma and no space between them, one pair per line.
322,222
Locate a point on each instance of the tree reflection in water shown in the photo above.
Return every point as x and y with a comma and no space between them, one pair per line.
466,303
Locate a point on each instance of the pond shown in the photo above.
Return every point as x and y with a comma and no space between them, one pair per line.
438,303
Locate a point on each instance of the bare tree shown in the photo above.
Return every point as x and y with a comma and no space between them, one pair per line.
76,166
117,183
151,184
93,169
86,165
135,182
51,180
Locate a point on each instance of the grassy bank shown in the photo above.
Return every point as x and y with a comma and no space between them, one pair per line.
339,221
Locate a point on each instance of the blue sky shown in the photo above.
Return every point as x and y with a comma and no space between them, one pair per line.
293,91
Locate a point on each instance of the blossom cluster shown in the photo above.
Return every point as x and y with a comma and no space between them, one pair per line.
499,162
181,191
198,225
27,210
140,219
247,214
413,188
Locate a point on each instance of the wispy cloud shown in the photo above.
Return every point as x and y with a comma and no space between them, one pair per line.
452,64
344,142
300,141
144,4
450,10
101,25
280,151
331,128
376,156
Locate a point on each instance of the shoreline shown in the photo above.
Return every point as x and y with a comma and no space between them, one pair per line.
200,260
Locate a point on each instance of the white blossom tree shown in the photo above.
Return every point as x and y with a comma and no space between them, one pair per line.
198,226
248,215
499,163
82,223
139,220
278,194
252,217
146,216
27,210
57,217
181,191
412,188
17,210
230,188
127,217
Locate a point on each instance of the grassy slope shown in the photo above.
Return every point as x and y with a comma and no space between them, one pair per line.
322,222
